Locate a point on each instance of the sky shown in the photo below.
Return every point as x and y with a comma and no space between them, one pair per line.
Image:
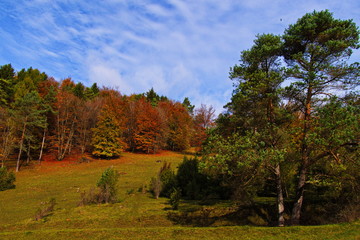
181,48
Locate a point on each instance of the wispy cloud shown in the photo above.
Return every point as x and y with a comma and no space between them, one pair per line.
178,47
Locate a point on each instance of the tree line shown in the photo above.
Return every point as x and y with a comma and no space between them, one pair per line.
41,115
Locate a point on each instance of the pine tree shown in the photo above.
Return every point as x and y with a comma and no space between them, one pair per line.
316,48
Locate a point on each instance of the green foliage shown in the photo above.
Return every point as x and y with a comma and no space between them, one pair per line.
108,185
7,179
168,180
316,49
107,136
79,90
194,184
318,36
237,161
164,182
28,81
5,91
92,92
152,97
256,98
175,198
6,84
187,104
7,72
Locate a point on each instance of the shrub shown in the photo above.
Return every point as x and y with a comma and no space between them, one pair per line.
196,185
89,198
190,180
168,180
107,185
164,182
175,198
107,189
156,186
46,210
7,179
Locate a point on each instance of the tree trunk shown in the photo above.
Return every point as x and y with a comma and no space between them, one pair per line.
305,153
7,143
28,154
296,211
280,197
42,146
21,146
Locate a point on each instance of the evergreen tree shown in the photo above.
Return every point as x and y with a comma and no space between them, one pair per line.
316,48
187,104
6,84
28,114
256,103
79,90
7,72
107,139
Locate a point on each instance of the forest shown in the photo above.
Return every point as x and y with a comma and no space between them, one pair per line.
290,132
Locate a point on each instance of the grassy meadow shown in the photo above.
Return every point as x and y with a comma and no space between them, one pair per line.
136,216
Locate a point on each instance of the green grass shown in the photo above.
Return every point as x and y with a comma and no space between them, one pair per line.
137,216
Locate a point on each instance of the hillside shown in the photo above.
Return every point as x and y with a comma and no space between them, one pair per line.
137,216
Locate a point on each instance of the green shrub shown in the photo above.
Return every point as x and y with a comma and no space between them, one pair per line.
175,198
168,180
107,189
108,186
196,185
164,182
7,179
192,183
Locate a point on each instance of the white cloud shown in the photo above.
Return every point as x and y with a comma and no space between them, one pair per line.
179,47
107,76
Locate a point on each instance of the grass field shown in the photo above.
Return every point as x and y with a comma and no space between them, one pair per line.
137,216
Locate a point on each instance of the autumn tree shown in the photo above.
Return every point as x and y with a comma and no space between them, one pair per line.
178,125
107,139
203,120
67,105
88,117
316,48
147,136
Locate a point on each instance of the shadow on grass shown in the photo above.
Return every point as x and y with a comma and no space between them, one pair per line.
221,213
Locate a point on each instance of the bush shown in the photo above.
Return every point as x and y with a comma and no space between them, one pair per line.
175,198
196,185
168,180
46,210
89,198
156,186
164,182
7,179
192,183
107,189
107,185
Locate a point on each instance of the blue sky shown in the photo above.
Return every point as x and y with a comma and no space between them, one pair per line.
181,48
